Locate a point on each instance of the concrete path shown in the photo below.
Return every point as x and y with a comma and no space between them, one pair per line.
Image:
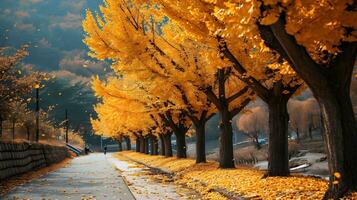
148,185
86,177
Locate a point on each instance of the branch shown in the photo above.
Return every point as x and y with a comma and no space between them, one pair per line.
193,118
258,88
238,94
237,110
171,122
301,61
212,97
342,66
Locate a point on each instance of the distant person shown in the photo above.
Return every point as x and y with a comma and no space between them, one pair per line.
86,150
105,149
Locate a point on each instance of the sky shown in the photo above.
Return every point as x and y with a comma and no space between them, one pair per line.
53,31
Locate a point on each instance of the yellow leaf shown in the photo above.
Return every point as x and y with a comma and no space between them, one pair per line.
337,175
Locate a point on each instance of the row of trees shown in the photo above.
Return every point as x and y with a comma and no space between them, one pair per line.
179,62
16,87
14,84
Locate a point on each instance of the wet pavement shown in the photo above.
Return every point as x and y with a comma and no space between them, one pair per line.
86,177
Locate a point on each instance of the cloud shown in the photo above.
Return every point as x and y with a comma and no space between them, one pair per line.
71,77
74,61
76,6
43,43
24,27
30,1
6,11
22,14
69,21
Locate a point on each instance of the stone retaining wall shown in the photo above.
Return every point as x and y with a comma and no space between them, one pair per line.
16,159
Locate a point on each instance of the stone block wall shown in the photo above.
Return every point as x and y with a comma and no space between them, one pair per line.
20,158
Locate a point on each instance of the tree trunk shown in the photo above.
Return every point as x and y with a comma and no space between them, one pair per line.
137,146
180,144
1,123
120,146
128,143
154,145
278,137
142,145
28,133
13,130
146,141
162,145
226,157
340,135
310,132
168,146
297,135
200,143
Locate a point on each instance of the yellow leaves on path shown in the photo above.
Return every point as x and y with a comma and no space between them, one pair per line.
245,182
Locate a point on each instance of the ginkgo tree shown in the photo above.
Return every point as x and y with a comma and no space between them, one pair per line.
315,38
141,52
260,68
320,40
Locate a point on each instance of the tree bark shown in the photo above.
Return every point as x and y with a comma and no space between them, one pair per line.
120,146
137,146
28,133
310,132
168,146
180,144
146,141
226,157
200,143
297,135
162,145
1,126
128,143
154,145
142,145
339,132
278,137
13,130
151,140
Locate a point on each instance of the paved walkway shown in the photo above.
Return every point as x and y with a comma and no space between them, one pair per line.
86,177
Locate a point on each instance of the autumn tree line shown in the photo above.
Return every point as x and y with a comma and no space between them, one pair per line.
177,63
17,85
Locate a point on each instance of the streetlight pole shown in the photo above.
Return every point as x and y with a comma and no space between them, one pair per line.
67,124
37,115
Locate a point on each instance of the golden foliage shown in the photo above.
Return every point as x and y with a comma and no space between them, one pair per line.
242,181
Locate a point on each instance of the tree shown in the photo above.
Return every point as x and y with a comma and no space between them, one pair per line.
28,123
322,49
14,83
166,61
232,30
254,124
18,110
